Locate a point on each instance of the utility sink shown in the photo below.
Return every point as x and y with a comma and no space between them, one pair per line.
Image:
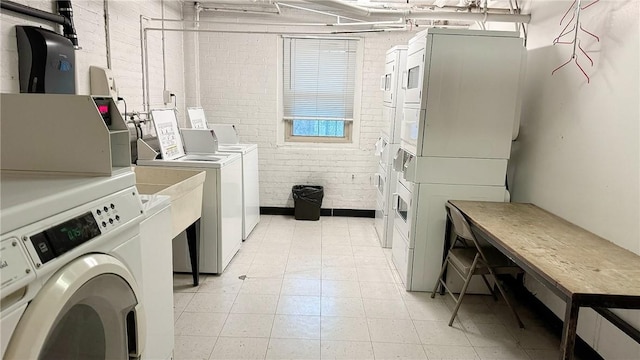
184,187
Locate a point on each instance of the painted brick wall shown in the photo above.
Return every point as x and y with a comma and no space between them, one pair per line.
124,23
239,85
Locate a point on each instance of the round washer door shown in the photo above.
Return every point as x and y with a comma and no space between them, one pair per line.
89,309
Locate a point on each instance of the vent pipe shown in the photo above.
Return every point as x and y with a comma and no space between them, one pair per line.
68,30
64,18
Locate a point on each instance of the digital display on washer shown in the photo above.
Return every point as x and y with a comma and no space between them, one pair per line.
72,233
104,108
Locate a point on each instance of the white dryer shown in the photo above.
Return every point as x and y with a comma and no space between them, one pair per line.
71,258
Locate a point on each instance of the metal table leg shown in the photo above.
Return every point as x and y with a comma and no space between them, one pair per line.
193,240
569,330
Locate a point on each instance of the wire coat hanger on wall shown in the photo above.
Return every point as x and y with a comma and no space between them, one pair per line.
576,29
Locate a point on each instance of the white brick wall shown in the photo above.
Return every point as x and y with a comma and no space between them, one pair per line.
125,47
239,85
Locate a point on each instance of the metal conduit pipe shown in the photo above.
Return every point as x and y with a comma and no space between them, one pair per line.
274,31
65,18
424,14
398,22
69,31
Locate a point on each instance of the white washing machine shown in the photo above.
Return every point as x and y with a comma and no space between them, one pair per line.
205,142
70,267
227,140
221,221
250,184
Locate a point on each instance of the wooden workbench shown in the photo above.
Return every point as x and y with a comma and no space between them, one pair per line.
580,267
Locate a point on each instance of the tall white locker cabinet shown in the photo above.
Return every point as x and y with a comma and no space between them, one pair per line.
461,104
389,142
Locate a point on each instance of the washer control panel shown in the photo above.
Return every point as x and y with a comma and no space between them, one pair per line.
82,224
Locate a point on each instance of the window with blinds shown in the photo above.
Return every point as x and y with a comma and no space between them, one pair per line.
319,82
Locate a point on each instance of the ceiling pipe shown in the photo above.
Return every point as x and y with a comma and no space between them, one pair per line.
423,14
318,12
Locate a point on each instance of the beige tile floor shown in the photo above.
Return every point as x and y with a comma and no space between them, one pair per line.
326,290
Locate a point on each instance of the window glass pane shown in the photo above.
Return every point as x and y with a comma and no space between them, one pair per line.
328,128
414,80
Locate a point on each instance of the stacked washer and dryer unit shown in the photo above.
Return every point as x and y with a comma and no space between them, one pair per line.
461,107
389,141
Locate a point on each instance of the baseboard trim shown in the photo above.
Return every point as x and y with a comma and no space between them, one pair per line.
271,210
551,321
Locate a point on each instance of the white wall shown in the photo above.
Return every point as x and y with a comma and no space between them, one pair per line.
124,23
578,154
239,85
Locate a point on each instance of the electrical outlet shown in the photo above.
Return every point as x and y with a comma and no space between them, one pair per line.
166,97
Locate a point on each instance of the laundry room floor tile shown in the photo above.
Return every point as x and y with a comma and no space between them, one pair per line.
326,289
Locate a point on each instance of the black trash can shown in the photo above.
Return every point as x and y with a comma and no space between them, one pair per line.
307,200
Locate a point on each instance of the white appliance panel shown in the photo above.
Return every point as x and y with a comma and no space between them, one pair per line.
166,125
212,224
230,226
402,256
456,171
197,118
157,280
414,84
226,133
395,65
74,248
250,185
403,210
382,149
410,134
251,192
428,226
378,222
471,113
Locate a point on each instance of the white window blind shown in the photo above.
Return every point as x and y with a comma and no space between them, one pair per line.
319,79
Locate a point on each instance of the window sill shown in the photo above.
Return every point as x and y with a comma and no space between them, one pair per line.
318,146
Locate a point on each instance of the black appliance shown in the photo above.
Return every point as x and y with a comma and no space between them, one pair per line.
46,61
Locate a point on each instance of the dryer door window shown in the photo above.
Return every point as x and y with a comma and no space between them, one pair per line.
89,309
92,325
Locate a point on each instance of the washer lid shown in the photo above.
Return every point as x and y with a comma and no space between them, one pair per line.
195,161
240,148
166,124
